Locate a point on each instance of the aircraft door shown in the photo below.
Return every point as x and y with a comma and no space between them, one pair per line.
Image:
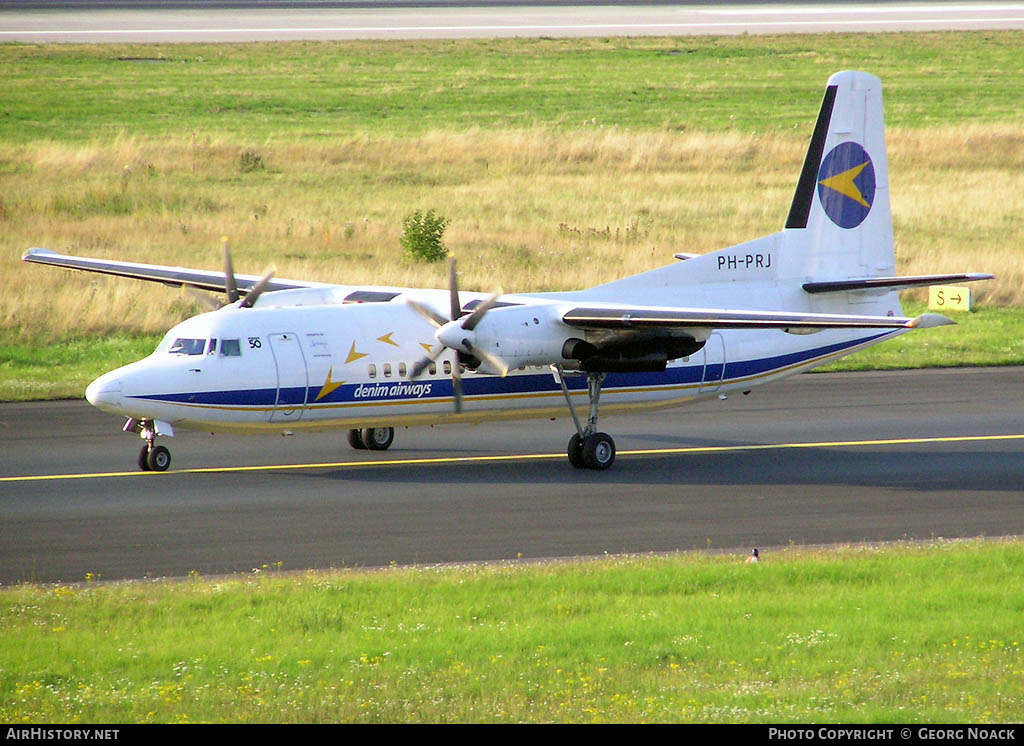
292,377
714,364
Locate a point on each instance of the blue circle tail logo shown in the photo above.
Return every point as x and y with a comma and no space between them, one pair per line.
846,184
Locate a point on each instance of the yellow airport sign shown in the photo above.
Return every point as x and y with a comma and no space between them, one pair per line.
949,298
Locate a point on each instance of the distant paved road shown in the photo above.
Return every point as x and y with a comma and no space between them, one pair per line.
222,22
816,459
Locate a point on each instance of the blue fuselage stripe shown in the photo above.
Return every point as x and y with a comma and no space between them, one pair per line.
439,388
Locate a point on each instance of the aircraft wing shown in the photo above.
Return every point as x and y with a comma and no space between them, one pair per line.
173,276
637,318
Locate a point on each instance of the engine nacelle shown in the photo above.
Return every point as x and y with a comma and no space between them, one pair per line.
525,335
536,335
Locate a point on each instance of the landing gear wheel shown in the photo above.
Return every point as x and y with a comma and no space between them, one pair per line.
355,439
144,458
378,438
159,458
598,451
576,451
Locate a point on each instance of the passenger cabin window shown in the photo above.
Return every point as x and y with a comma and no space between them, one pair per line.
447,368
387,370
401,370
230,348
373,370
184,346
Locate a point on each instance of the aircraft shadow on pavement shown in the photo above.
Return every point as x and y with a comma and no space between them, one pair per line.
913,468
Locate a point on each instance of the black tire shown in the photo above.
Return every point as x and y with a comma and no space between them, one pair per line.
576,451
144,458
598,451
378,438
355,439
159,458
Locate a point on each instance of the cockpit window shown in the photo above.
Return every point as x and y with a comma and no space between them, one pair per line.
184,346
230,348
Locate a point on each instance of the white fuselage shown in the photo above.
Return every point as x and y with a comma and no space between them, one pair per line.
347,365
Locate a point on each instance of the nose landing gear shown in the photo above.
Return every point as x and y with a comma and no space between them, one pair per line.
151,457
154,458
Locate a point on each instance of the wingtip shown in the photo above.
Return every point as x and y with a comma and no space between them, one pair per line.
37,252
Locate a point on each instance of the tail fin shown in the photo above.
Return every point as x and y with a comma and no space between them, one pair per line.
836,250
840,224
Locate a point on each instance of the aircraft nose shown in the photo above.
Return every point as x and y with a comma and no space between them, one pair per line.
105,392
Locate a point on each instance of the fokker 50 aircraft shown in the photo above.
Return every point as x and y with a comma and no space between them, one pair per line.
287,355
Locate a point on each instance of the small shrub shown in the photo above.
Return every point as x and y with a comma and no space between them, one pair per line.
249,161
422,234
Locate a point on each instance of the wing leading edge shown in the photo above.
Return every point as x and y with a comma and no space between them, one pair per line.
618,317
172,276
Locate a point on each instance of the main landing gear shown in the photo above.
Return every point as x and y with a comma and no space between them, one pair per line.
588,449
372,438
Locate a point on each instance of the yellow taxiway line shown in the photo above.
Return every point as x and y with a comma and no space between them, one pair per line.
442,460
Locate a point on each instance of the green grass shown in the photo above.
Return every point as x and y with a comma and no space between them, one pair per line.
986,336
329,89
62,369
905,633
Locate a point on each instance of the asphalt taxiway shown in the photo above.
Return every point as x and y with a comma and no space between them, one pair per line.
821,458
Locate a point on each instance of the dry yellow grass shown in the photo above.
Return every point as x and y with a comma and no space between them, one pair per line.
529,210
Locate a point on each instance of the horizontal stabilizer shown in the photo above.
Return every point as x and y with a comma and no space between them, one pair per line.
891,283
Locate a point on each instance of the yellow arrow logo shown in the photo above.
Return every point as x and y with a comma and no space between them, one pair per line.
843,183
329,385
353,355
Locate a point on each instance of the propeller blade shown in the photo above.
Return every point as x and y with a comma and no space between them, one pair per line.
204,300
478,313
417,369
258,289
492,360
457,387
453,288
230,286
427,312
